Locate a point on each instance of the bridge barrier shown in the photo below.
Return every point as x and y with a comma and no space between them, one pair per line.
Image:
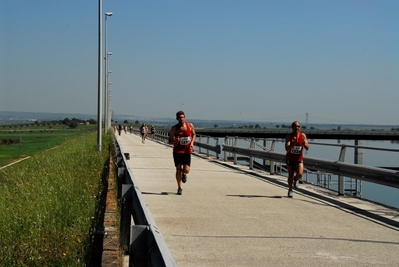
141,239
311,134
376,175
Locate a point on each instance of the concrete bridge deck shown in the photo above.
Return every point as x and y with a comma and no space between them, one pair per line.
229,215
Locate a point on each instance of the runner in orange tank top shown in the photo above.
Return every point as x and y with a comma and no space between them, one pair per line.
182,137
295,142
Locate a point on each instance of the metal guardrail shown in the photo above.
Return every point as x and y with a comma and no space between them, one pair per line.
311,134
366,173
142,240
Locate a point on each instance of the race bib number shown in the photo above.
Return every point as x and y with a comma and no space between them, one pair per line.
185,140
296,150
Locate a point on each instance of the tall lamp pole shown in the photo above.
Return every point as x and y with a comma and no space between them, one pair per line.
109,103
109,96
107,82
106,101
99,104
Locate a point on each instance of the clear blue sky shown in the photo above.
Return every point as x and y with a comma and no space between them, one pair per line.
255,60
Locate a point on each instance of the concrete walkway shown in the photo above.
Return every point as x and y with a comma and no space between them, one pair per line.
229,215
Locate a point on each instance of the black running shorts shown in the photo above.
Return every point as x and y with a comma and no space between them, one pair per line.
293,163
182,159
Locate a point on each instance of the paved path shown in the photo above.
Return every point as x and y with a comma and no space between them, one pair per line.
231,216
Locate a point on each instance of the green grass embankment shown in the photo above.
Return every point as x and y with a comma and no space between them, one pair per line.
49,204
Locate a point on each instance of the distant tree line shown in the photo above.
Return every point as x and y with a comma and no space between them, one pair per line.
71,123
74,123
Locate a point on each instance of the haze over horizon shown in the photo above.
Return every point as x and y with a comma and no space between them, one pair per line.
43,116
253,60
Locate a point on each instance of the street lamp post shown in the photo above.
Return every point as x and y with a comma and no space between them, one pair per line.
99,104
109,104
106,101
107,82
109,101
111,112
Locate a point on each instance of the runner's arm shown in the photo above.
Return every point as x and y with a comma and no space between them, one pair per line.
172,136
305,141
288,143
193,136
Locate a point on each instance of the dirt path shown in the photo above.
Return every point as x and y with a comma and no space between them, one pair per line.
111,252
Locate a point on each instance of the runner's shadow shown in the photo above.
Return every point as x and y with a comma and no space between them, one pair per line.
159,194
254,196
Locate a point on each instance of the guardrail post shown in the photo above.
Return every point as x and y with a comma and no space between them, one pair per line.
251,159
199,140
235,154
358,159
264,148
166,140
138,249
119,160
207,142
217,144
121,179
272,163
341,179
226,142
126,219
358,152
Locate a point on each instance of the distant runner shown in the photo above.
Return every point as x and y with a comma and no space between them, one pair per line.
143,132
295,142
152,132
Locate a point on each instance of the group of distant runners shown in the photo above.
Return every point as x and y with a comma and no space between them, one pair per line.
143,130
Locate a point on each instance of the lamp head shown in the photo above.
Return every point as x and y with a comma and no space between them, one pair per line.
109,14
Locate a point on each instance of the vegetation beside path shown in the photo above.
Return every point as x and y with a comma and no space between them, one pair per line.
49,204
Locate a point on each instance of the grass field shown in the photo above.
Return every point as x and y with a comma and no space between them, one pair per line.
49,203
18,142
